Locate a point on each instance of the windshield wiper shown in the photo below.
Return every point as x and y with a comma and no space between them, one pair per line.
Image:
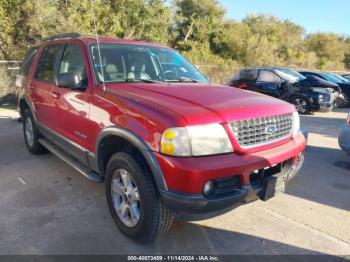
183,79
144,81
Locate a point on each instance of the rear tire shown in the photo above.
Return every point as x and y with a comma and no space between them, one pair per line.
31,134
302,105
124,176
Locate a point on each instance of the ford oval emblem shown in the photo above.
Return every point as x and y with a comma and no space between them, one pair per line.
270,129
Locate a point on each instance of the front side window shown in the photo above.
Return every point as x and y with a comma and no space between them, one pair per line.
132,63
73,63
268,76
46,66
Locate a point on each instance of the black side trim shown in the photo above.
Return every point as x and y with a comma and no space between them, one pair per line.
76,151
93,163
71,161
141,145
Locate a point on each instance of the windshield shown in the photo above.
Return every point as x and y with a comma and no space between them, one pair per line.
138,63
331,78
341,78
290,75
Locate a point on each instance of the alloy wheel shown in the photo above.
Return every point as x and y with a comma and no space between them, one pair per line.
125,197
300,105
29,131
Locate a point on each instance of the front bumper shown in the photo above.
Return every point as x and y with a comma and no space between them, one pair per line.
326,106
184,194
198,207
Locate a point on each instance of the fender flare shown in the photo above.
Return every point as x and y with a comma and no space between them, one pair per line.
138,143
25,100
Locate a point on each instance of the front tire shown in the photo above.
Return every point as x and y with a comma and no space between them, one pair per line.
134,201
302,105
31,134
345,101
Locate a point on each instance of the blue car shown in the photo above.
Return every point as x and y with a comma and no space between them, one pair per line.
344,135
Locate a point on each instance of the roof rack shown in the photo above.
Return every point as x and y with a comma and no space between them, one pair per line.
59,36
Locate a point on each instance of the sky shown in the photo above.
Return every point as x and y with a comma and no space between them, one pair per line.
313,15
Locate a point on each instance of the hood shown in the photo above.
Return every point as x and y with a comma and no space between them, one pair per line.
202,103
344,85
314,81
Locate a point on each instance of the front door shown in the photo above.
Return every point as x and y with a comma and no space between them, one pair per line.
268,83
72,104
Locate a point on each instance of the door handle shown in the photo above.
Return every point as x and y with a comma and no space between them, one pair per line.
55,95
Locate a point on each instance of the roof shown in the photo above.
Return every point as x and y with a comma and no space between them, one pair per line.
265,67
101,39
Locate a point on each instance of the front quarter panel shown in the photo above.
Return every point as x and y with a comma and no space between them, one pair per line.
145,120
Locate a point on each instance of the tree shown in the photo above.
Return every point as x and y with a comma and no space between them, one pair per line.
197,28
195,20
330,49
229,42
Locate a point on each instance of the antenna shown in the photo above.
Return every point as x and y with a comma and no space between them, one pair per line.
98,44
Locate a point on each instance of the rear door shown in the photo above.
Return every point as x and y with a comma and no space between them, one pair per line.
268,83
72,104
41,85
247,79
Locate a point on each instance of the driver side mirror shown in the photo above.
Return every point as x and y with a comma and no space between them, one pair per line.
69,80
283,84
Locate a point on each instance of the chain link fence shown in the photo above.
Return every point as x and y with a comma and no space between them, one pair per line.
9,92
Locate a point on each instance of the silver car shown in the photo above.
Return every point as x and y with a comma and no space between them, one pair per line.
344,135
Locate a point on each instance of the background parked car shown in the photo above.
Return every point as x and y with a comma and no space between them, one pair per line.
345,87
347,76
341,78
307,94
344,135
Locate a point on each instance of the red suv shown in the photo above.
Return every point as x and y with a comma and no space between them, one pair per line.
168,144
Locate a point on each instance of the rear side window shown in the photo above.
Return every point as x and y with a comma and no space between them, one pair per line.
251,74
28,60
268,76
46,66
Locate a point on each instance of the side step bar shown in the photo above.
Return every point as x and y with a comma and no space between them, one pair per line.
71,161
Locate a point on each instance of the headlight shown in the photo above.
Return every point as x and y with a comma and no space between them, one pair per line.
296,123
195,140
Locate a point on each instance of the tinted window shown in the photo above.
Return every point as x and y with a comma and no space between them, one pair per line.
45,70
268,76
249,74
72,62
330,78
28,60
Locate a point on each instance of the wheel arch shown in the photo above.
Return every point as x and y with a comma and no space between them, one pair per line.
114,139
23,105
296,95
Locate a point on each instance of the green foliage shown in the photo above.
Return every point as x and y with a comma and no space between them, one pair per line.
197,28
330,49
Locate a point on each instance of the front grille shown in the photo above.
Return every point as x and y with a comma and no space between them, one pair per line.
258,131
